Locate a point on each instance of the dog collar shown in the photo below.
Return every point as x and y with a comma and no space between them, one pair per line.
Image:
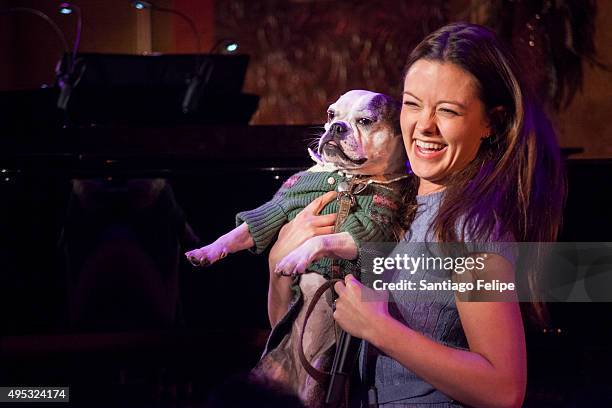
384,179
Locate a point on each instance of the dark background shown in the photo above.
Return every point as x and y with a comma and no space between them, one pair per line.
145,328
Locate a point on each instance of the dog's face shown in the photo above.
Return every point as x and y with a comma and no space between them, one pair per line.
362,134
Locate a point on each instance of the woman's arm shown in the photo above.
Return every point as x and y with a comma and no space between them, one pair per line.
307,224
491,374
304,226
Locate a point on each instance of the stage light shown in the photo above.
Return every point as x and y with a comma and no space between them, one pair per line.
65,8
225,44
141,5
231,47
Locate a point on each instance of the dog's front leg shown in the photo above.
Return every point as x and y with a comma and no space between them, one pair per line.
236,240
340,245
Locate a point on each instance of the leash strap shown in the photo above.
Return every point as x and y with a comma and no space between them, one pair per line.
320,376
346,200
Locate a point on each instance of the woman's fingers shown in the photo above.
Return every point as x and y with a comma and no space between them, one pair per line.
324,230
350,279
324,220
318,203
340,288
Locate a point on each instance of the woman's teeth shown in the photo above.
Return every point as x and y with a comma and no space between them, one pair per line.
427,146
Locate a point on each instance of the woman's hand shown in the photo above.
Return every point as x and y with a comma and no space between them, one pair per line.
359,309
305,225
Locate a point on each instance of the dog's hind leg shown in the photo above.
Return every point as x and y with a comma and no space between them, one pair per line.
279,297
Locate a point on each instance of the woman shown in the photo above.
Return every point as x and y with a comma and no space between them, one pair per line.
487,168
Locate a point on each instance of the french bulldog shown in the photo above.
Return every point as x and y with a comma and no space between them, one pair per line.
362,140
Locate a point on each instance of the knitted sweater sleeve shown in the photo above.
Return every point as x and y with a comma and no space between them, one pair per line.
265,221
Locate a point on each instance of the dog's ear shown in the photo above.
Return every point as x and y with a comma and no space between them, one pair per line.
396,108
390,108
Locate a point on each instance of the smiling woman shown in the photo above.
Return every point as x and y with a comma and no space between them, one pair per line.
442,125
473,128
486,168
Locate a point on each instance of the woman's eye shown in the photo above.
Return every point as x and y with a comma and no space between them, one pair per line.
449,111
410,103
364,121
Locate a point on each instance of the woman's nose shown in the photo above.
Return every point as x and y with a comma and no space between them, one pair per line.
426,124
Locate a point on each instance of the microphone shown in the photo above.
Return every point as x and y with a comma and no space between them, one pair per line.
196,87
202,76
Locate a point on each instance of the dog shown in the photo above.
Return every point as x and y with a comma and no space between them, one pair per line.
362,146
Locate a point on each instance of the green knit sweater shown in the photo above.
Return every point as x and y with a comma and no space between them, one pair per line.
371,219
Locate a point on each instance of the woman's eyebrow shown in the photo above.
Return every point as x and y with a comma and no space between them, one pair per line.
413,95
462,106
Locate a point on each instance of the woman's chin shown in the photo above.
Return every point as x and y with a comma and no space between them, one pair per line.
425,171
429,177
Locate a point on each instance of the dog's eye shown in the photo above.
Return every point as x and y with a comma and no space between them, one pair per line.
330,115
364,121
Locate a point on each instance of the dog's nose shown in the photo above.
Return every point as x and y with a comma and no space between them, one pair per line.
338,128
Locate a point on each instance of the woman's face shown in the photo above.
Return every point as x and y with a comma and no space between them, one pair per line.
443,121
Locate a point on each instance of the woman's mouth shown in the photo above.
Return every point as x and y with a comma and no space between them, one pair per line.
429,150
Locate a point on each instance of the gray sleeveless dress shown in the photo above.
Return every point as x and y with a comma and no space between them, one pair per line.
432,313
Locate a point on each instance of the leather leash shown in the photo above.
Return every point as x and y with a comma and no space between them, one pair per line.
320,376
346,199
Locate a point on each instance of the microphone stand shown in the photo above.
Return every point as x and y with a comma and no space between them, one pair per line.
347,351
45,17
66,60
67,74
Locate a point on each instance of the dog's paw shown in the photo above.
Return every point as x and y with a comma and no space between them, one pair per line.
206,256
288,267
298,260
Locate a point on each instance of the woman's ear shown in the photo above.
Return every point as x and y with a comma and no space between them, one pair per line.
496,120
497,111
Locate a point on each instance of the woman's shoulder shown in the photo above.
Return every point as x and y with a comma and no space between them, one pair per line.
498,240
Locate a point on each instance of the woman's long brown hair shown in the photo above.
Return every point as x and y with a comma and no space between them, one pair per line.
516,183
